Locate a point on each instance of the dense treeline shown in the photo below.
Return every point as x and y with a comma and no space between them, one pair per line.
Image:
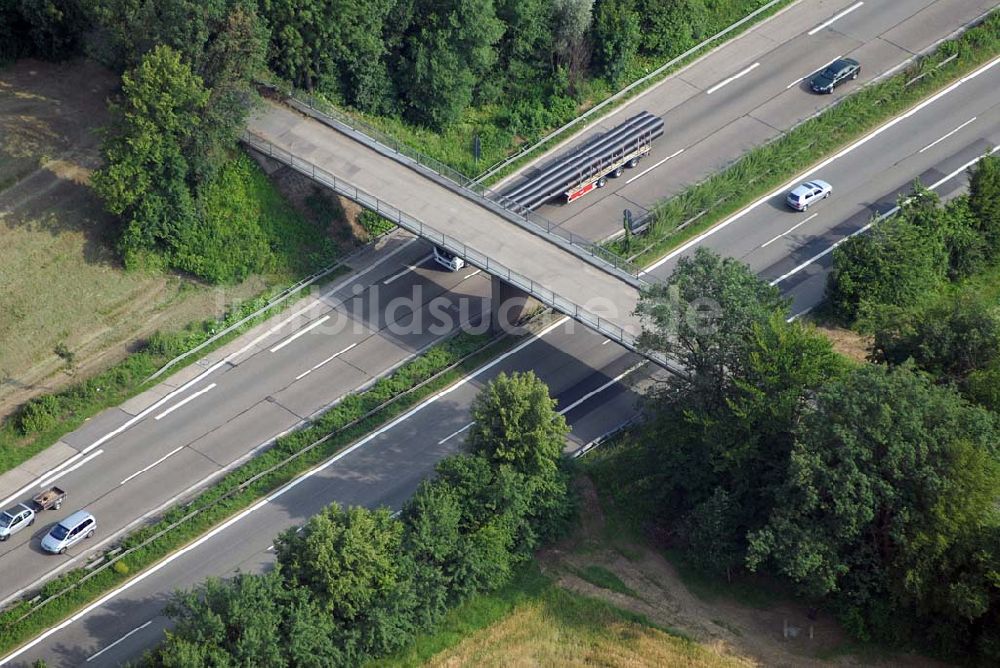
188,68
871,489
912,284
356,583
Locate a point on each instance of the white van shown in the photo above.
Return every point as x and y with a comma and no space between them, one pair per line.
449,261
69,532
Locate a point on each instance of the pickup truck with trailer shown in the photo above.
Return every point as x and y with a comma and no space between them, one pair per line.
588,167
22,515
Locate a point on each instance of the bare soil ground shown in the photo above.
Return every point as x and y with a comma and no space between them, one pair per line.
60,281
752,635
847,342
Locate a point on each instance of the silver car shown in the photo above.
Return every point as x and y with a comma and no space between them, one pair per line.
804,195
69,532
14,519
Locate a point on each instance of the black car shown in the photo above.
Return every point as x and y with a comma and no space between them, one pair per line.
835,74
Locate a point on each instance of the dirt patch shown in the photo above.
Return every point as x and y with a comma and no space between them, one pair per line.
60,280
847,342
727,627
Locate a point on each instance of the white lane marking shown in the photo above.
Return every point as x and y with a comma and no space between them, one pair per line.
477,271
799,314
453,435
184,401
943,137
885,215
122,639
649,169
818,69
805,175
732,78
336,354
606,342
836,17
408,269
606,385
299,333
45,482
789,230
158,461
260,504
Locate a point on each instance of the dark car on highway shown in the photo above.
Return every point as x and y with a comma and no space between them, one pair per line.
835,74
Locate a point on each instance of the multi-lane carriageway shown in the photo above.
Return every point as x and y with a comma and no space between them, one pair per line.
261,392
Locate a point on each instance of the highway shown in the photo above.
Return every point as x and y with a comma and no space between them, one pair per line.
752,89
259,393
386,466
239,398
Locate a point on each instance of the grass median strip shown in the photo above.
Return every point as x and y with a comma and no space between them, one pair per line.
760,170
350,419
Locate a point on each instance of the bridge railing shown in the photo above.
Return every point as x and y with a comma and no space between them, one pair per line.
449,177
544,295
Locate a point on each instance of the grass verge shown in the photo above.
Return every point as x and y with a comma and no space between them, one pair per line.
701,206
353,417
532,621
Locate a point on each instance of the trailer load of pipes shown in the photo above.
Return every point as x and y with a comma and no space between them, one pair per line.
588,167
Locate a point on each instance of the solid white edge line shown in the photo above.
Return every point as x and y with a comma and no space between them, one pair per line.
828,23
649,169
883,216
477,271
606,385
812,170
790,229
732,78
184,401
233,520
454,434
48,481
945,136
158,461
301,332
120,640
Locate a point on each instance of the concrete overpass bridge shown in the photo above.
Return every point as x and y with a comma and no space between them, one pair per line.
518,250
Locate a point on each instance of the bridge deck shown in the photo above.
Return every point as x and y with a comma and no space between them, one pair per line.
569,276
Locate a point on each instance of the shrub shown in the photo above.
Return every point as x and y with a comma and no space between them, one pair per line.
39,414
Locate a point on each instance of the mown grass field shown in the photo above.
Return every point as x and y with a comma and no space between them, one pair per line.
61,284
533,622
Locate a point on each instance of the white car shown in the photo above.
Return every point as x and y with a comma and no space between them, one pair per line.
14,519
804,195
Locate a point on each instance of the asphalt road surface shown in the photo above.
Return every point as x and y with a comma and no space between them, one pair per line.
752,89
242,397
295,371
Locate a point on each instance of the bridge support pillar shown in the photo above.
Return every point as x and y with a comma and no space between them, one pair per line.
509,306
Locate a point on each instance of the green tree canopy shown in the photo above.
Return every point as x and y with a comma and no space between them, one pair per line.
617,35
889,478
984,200
516,423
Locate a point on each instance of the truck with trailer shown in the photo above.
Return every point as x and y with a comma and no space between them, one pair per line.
588,167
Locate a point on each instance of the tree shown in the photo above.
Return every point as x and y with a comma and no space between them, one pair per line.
616,37
54,27
515,423
984,200
895,263
889,479
527,39
571,21
703,317
145,179
949,338
448,54
351,562
672,27
337,46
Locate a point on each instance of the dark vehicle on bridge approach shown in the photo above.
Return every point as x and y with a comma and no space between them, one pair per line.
835,74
